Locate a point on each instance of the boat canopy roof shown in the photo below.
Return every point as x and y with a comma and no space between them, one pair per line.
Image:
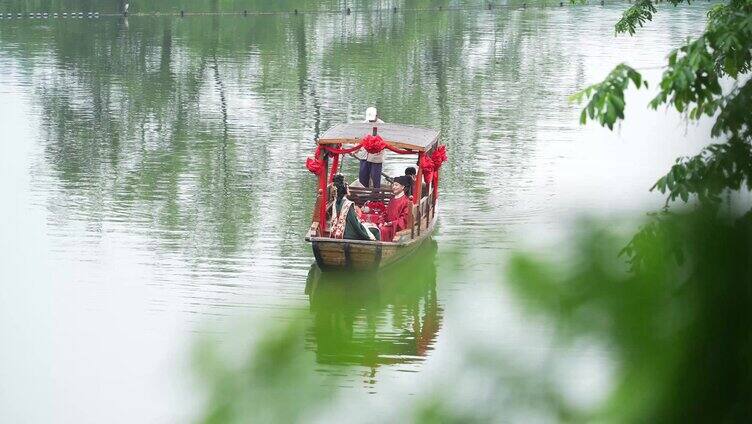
397,135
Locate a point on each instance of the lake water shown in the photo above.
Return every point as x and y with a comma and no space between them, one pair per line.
154,186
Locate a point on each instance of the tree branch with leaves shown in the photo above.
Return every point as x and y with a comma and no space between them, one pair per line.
691,84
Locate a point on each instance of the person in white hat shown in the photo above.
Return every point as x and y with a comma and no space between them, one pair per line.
370,163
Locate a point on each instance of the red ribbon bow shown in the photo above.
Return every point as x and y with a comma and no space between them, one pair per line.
427,168
373,143
315,164
439,156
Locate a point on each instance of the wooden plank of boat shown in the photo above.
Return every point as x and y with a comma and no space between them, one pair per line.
365,254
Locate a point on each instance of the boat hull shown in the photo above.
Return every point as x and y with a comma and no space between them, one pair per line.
333,254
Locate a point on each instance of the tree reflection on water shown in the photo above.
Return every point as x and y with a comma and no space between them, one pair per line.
373,319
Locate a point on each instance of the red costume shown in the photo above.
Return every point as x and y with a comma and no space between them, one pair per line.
395,217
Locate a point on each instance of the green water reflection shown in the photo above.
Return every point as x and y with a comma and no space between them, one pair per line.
376,319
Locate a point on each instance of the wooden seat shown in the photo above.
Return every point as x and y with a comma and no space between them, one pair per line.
360,195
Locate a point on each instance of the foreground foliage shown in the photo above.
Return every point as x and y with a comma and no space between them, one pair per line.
675,322
675,328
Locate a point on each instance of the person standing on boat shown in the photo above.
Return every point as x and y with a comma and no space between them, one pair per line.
344,222
370,163
398,209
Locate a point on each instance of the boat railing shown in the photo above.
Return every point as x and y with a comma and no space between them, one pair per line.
418,222
421,215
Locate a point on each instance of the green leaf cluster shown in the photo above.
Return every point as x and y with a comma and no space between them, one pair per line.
637,14
691,84
719,167
690,80
606,99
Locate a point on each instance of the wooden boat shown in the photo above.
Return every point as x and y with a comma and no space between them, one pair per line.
332,253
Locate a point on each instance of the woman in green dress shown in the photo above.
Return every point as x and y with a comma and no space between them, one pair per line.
344,222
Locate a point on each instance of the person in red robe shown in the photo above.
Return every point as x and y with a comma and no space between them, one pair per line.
397,212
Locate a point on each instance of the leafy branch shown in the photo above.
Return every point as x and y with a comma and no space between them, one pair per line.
691,85
735,118
606,99
690,79
719,167
637,14
729,35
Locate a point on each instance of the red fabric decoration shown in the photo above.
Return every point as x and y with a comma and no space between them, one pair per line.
439,156
375,213
315,164
337,151
427,168
376,207
373,143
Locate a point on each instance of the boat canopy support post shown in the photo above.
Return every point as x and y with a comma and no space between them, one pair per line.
335,164
324,196
435,184
417,192
415,209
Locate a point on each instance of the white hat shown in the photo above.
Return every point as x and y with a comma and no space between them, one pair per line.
371,114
